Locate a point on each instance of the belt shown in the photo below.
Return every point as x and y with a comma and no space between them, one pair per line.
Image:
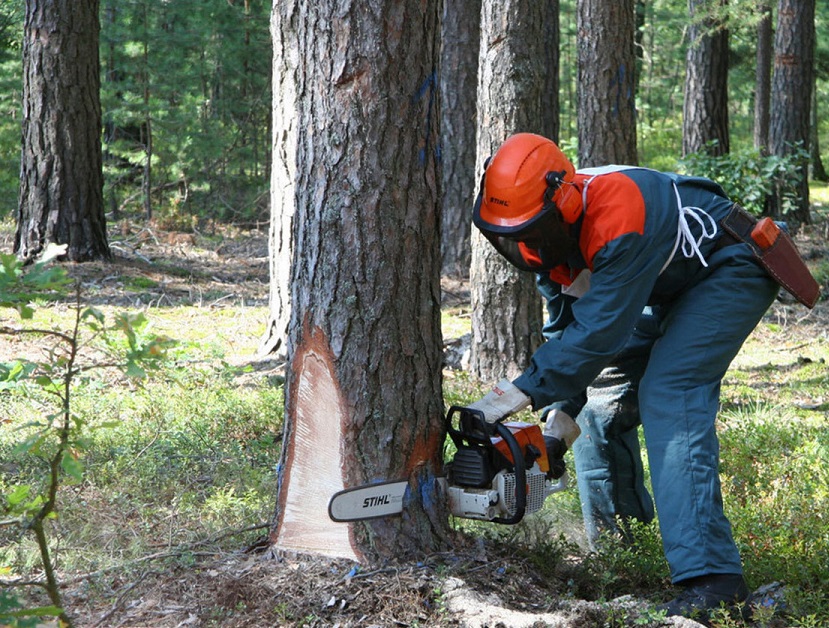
726,239
736,228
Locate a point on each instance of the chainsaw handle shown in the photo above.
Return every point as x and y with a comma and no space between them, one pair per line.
520,475
472,424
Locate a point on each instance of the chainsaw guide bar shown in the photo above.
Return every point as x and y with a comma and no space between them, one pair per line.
368,502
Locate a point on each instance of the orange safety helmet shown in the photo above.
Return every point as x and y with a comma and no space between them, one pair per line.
526,202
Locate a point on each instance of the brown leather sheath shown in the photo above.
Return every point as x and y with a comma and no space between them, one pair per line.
781,259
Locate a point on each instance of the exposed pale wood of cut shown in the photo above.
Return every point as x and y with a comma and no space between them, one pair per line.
314,466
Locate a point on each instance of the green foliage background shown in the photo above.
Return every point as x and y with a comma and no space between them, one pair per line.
199,72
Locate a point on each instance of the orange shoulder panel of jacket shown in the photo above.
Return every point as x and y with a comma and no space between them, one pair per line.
615,207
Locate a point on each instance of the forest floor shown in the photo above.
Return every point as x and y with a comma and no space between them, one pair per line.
478,583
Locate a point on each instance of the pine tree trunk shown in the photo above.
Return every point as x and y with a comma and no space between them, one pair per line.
147,130
606,86
461,36
359,162
284,134
705,109
110,15
639,14
816,168
61,180
791,98
762,89
514,95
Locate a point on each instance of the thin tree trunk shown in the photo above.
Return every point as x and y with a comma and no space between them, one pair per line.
460,42
762,91
791,99
817,171
146,127
513,96
606,86
705,111
639,14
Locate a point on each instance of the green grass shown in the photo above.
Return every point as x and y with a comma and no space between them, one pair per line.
180,461
455,322
819,197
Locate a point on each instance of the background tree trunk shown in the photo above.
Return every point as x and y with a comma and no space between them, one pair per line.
762,90
518,39
816,168
61,179
460,42
363,387
639,12
286,76
705,109
147,126
606,90
794,46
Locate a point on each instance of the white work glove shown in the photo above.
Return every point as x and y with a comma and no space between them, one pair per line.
560,430
503,400
561,425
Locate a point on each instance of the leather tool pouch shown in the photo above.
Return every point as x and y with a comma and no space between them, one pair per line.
776,251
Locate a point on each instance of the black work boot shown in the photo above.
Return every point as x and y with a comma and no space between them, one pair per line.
704,594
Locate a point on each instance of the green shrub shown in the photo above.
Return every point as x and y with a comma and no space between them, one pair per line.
750,177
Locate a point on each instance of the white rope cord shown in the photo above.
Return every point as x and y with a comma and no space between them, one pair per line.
685,237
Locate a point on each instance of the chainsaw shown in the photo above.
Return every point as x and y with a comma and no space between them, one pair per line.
499,472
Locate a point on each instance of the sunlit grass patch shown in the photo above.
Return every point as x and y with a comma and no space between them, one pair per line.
455,322
819,195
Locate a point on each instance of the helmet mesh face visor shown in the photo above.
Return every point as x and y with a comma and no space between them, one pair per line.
512,252
538,245
536,255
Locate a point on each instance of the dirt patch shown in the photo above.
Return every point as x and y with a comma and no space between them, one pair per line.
489,585
152,267
155,266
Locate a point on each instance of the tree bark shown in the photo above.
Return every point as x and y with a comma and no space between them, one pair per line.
606,86
514,95
762,90
356,138
286,72
460,42
816,168
61,179
794,46
705,109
